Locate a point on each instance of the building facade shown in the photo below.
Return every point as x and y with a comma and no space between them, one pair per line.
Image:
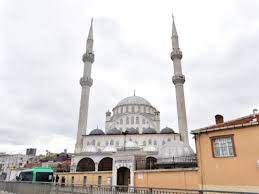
132,136
228,156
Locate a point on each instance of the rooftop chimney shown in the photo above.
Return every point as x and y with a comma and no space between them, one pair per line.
219,119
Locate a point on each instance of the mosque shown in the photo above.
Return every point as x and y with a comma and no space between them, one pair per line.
132,131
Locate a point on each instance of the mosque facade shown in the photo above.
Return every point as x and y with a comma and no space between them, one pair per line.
132,131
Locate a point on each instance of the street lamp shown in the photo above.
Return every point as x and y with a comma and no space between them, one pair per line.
124,133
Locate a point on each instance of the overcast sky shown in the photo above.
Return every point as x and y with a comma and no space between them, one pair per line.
42,43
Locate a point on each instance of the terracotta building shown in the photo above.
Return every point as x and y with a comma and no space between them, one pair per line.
228,154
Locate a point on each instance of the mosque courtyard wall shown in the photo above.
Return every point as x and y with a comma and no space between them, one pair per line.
183,178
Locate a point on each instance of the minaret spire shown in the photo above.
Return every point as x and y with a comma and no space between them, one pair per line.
178,81
175,42
90,38
86,82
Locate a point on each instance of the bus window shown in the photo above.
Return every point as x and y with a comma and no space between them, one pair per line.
25,176
44,176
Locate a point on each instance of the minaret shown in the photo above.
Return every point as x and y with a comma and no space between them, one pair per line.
86,82
178,80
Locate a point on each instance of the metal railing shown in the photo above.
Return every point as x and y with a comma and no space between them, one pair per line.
51,188
166,163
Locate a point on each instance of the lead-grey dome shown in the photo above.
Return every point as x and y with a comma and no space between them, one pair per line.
97,132
134,100
167,130
132,131
148,131
114,131
175,149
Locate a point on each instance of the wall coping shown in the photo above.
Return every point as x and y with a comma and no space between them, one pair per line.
168,170
89,172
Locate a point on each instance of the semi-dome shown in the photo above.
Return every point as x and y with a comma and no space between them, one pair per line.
149,131
90,148
132,131
97,132
114,131
109,148
175,149
167,130
131,144
149,148
134,100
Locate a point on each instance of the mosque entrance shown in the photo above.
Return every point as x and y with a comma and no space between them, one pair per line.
123,176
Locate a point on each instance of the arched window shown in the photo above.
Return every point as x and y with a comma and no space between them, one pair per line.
93,142
132,120
105,164
137,120
149,141
121,121
143,121
111,142
127,120
85,164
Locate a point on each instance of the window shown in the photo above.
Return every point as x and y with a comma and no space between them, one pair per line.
72,180
25,176
132,120
93,142
117,143
111,142
44,176
223,146
137,120
85,180
99,180
144,143
150,142
98,143
121,121
143,121
127,120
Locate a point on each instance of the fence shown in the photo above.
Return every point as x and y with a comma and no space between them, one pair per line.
50,188
166,163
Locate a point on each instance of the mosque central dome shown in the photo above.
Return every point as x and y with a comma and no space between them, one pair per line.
134,100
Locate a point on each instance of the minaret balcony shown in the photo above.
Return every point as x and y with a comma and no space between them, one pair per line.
86,81
88,56
178,79
176,54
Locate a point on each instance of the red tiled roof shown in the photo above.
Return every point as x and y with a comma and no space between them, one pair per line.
239,122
